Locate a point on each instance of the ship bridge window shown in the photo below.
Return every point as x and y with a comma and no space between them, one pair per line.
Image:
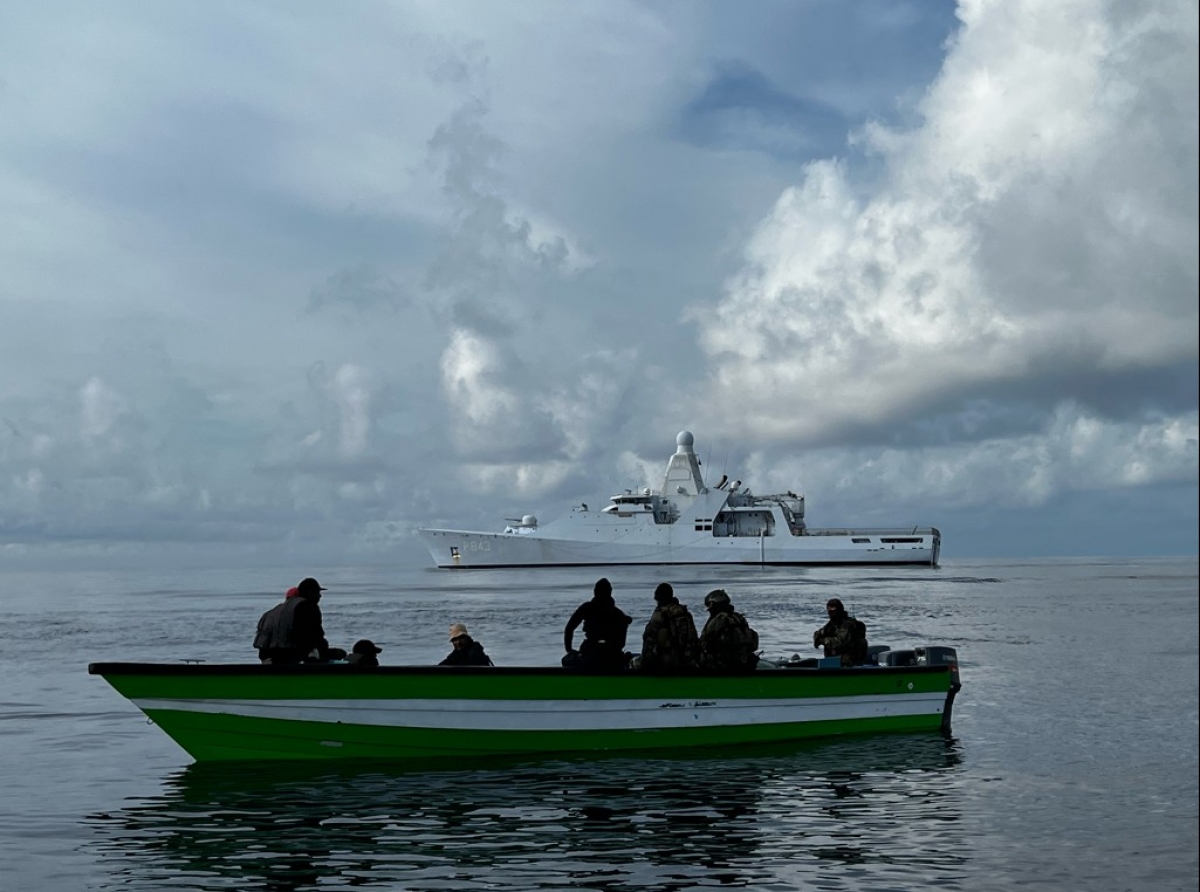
903,541
858,541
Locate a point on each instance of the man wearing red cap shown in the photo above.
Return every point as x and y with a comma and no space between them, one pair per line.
293,632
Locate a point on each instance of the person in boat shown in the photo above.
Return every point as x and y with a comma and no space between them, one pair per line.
727,643
293,632
605,627
467,651
364,653
669,641
843,636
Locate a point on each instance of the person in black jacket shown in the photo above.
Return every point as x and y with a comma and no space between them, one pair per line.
467,651
604,629
293,632
843,636
365,653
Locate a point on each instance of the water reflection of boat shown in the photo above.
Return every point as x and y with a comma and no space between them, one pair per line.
762,818
685,521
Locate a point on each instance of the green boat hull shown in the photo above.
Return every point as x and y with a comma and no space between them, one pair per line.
237,713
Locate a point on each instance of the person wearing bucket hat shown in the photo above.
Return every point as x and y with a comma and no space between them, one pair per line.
727,643
843,636
467,651
293,630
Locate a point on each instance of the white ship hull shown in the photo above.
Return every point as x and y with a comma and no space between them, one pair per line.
459,548
684,522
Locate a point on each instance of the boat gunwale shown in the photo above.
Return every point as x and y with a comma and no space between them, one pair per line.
335,669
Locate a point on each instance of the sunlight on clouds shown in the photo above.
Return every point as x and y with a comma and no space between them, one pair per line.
352,390
468,367
1075,451
101,408
1024,87
639,473
982,260
526,480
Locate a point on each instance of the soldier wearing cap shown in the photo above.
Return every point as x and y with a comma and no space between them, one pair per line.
293,631
365,653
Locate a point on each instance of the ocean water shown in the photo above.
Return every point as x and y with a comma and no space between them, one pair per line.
1072,763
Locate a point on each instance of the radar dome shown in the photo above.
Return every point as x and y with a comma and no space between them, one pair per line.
685,438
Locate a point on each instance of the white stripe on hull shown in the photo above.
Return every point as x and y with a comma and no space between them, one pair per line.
565,715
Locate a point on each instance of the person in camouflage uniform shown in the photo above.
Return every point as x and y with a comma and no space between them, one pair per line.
843,636
670,641
727,642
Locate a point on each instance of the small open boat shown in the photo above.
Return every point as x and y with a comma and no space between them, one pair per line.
338,711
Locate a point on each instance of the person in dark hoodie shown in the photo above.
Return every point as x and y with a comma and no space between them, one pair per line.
467,651
843,636
605,626
293,632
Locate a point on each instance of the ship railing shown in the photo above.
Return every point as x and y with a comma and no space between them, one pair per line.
874,531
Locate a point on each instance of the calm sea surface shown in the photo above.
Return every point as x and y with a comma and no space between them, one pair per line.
1073,762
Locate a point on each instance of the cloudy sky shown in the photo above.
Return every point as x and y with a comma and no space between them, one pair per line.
292,279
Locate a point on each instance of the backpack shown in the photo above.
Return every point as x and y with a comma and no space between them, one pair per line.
858,644
266,627
684,643
735,642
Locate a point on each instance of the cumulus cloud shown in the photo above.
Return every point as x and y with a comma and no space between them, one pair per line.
1037,231
440,263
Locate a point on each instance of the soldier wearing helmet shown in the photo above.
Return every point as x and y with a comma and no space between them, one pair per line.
727,643
669,642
